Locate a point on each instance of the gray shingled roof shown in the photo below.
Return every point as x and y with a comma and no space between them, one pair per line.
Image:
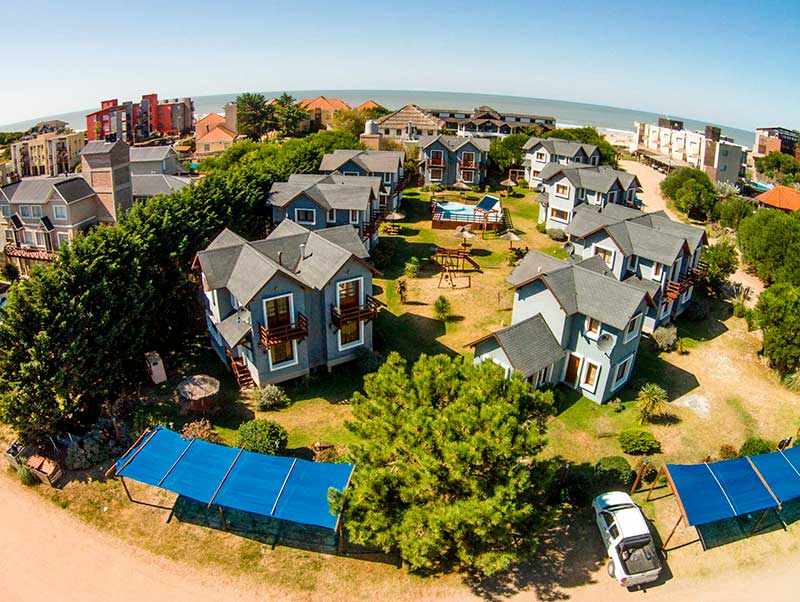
455,142
529,345
244,268
148,185
332,191
559,146
660,221
533,264
234,328
590,218
591,177
38,190
584,288
375,161
99,147
149,153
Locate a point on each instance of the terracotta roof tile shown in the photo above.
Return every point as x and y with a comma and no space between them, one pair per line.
781,197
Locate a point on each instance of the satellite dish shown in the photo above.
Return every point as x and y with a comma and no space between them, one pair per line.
569,248
605,342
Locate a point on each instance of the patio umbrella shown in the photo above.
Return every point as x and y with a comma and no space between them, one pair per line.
508,183
511,238
464,234
395,216
461,186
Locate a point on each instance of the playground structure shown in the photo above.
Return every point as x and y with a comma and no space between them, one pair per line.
452,262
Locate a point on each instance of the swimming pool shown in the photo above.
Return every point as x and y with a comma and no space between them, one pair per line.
459,212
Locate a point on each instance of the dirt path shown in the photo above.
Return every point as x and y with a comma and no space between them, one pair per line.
650,180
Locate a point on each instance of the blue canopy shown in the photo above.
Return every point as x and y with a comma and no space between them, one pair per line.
275,486
722,490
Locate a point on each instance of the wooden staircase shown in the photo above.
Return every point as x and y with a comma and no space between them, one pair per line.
240,371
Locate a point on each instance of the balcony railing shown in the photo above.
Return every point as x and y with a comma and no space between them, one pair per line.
295,331
470,165
28,252
376,219
436,162
675,288
365,312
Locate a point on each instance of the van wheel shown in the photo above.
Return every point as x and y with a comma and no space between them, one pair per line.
611,568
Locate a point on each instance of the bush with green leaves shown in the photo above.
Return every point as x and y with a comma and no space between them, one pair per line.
557,234
613,471
442,309
722,261
754,446
650,402
665,337
733,210
200,429
24,474
542,227
383,253
412,268
262,436
10,272
638,442
728,452
98,445
270,397
778,315
616,405
770,242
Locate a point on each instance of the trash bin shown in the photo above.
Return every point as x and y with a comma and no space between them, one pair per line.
156,367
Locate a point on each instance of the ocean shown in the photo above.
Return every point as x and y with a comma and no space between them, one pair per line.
566,113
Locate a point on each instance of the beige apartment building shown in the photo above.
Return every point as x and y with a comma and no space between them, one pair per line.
47,154
670,144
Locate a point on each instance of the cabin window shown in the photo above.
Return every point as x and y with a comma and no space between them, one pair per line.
278,313
331,215
632,329
607,255
468,176
540,156
63,239
60,212
630,195
593,327
354,216
621,372
562,189
9,236
305,216
40,239
658,269
541,377
468,158
6,210
559,215
437,157
350,332
281,353
632,263
436,175
590,374
612,196
387,178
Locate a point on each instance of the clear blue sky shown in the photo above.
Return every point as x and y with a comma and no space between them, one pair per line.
732,62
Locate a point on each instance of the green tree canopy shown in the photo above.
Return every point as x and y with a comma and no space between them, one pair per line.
446,464
255,117
778,315
695,200
349,120
780,166
588,135
770,242
722,260
288,114
376,112
678,177
731,210
507,152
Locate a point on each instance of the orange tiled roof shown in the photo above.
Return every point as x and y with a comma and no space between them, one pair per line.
326,104
369,104
218,133
781,197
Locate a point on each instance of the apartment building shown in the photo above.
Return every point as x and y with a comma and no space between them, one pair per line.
386,165
572,323
540,152
406,124
296,301
47,154
447,160
134,122
776,140
671,145
489,122
320,112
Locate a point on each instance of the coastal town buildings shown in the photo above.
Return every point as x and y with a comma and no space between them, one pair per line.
367,105
447,160
782,198
569,186
572,323
47,154
323,201
671,145
320,112
540,152
296,301
48,127
148,160
408,124
487,121
215,133
387,165
134,122
776,139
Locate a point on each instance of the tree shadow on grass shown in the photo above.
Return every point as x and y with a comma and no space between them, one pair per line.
409,334
651,367
273,532
709,328
665,419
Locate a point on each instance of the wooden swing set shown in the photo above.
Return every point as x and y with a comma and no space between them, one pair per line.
451,262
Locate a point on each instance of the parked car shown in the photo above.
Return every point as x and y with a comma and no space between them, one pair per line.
626,535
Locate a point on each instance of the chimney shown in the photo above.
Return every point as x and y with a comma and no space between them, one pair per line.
302,251
280,258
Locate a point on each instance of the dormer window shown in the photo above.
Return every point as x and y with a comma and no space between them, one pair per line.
305,216
562,189
540,156
633,328
593,327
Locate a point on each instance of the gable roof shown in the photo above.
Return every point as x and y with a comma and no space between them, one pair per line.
368,104
244,268
99,147
411,113
324,103
374,161
149,153
454,143
586,287
148,185
331,191
559,146
218,133
591,177
529,345
781,197
38,190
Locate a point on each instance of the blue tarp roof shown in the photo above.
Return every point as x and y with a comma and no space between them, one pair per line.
723,490
275,486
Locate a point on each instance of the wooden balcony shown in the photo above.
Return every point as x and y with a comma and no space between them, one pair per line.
295,331
376,219
468,165
675,288
361,313
28,252
436,162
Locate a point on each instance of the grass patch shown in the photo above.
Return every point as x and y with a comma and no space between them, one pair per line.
746,418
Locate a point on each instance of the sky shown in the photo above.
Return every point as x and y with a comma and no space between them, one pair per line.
731,62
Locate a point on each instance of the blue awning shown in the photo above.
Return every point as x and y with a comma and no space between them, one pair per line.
722,490
275,486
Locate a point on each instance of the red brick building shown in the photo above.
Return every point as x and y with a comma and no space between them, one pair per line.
137,121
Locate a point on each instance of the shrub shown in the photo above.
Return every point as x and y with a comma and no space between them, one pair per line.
728,452
270,397
412,268
722,260
665,337
200,429
383,253
650,471
698,309
442,309
557,234
263,436
542,227
98,445
753,446
650,402
10,272
638,442
327,454
792,381
368,360
613,471
26,477
681,346
401,288
511,258
579,486
616,405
